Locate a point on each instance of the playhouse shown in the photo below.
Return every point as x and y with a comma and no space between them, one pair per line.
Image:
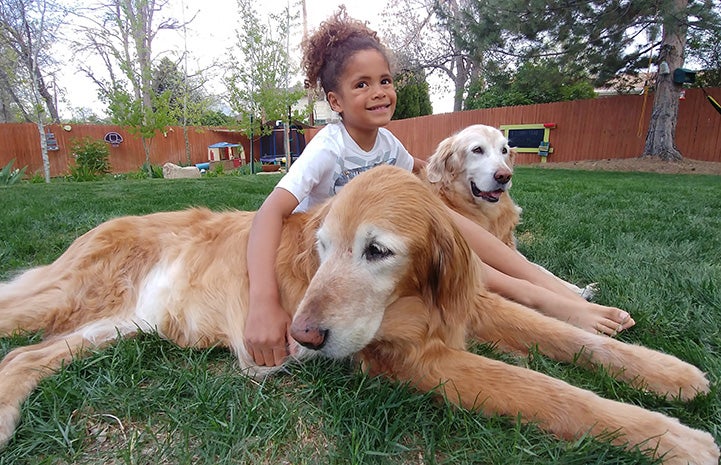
226,151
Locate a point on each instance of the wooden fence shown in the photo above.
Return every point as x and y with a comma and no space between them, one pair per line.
592,129
585,130
21,142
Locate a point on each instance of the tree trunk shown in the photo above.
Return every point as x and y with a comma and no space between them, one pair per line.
459,83
188,158
44,149
48,98
660,139
146,149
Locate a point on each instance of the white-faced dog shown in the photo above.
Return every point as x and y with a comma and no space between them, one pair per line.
472,172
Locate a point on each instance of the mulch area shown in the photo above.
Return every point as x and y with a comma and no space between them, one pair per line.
649,165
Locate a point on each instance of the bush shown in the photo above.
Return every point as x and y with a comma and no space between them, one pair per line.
218,170
91,158
82,173
37,178
140,173
9,176
153,171
245,169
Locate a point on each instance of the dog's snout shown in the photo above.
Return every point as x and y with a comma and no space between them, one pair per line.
502,176
311,337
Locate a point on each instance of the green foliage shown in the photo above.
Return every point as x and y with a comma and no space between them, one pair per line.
600,36
152,171
258,87
130,112
92,160
187,103
246,169
82,173
541,81
10,176
216,118
91,156
705,49
413,95
218,170
140,173
37,178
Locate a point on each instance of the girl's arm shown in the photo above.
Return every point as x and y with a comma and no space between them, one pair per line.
510,274
267,323
498,255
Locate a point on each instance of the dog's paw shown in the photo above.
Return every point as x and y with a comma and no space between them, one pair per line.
680,380
690,382
682,445
665,375
9,418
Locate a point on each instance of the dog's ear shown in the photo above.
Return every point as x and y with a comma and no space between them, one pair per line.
453,278
512,156
438,163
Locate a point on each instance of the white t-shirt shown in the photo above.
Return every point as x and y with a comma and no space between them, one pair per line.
332,158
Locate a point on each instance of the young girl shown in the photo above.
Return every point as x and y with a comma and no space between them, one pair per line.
350,64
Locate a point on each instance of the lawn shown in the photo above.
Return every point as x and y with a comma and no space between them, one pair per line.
651,241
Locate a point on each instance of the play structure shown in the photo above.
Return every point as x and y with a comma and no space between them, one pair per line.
226,151
530,138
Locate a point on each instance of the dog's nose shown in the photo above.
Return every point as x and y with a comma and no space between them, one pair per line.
309,336
502,176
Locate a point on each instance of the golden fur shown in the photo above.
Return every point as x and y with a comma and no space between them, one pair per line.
471,171
480,155
379,272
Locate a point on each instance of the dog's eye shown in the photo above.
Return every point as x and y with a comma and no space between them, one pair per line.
504,150
478,150
376,252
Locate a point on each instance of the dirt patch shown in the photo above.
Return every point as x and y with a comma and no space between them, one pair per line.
648,165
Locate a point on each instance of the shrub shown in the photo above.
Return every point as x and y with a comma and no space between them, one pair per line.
82,173
153,171
37,178
9,176
140,173
91,157
245,169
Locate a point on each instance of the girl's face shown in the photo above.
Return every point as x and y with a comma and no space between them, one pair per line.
365,96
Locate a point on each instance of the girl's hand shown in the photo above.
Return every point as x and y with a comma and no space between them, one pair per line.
267,334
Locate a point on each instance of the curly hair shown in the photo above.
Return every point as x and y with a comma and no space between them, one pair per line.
327,51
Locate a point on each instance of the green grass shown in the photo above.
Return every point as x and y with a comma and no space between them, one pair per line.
652,242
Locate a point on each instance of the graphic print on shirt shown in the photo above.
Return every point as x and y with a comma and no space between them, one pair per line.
343,176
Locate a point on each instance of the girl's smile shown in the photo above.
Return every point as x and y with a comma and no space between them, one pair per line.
365,98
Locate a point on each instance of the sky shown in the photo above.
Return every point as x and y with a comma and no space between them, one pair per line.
211,34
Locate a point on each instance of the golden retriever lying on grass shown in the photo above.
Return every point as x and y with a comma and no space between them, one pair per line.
471,171
380,272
